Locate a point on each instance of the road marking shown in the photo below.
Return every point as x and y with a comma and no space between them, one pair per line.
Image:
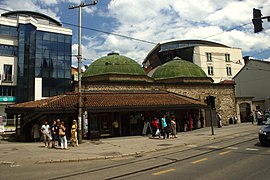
192,145
225,152
213,147
251,149
163,172
16,165
234,148
198,161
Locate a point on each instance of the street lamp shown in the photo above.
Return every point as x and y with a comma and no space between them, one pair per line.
79,65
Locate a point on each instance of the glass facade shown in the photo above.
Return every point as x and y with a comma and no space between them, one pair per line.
6,50
46,55
8,30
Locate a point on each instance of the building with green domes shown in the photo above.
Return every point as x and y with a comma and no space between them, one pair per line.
116,88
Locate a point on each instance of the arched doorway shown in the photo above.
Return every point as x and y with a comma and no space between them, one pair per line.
245,111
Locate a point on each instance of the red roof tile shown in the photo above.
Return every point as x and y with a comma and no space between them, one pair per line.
110,100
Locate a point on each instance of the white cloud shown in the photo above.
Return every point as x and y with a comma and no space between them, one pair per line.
30,6
159,20
47,2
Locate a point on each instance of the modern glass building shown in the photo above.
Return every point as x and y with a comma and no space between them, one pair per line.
35,57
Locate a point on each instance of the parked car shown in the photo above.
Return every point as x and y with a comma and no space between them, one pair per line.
264,133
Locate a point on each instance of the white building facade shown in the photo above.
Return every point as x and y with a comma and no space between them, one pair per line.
220,62
252,88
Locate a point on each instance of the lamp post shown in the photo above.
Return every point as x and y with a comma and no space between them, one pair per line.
79,65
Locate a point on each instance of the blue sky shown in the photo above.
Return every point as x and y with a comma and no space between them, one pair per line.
224,21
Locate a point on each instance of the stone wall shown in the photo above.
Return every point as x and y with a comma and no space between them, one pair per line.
224,93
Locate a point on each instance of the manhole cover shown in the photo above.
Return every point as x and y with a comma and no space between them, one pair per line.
110,153
164,145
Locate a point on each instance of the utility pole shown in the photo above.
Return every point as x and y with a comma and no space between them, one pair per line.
210,100
79,65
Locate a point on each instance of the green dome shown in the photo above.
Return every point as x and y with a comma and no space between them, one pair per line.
114,63
178,68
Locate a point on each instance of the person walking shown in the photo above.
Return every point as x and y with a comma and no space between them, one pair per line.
173,127
62,134
190,123
156,131
58,124
46,132
55,134
251,117
259,117
73,131
36,132
219,120
164,125
115,126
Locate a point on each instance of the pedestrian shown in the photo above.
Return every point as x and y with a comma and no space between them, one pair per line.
55,133
36,132
164,126
115,126
173,127
156,131
190,123
251,117
259,117
62,134
202,120
73,131
58,124
46,132
219,120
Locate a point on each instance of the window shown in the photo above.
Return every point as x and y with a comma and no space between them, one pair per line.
210,70
7,50
227,58
229,71
209,57
7,91
7,76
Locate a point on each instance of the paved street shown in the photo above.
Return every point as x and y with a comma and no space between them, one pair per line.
30,159
246,160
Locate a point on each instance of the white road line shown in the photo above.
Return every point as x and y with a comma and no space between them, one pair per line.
234,148
251,149
214,147
192,145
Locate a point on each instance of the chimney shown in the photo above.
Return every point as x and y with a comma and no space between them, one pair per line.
246,59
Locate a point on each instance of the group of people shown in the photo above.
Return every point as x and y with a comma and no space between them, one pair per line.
166,127
56,134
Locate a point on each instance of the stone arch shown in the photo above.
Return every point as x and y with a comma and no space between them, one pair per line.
243,109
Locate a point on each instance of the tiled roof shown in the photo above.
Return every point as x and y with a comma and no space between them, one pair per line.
109,100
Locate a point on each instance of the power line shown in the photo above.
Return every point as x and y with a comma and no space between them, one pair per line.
115,34
233,28
147,41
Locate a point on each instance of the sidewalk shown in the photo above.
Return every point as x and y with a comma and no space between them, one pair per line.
34,152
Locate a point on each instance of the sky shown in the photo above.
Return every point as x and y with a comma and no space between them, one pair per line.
133,27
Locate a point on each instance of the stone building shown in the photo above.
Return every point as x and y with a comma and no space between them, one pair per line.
115,87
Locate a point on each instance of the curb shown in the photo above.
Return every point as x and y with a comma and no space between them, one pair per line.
135,154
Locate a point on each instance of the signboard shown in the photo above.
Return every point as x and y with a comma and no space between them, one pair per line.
7,99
